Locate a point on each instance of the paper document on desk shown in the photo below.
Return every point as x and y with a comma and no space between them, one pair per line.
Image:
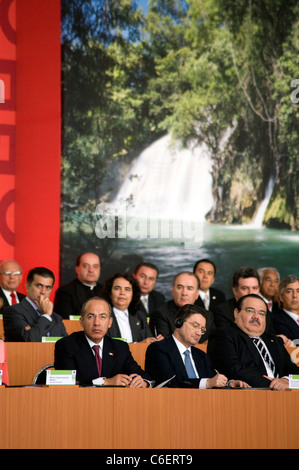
164,383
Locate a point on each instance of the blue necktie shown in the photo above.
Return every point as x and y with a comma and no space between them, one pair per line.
189,367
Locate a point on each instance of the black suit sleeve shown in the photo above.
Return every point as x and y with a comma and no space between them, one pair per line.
162,322
64,303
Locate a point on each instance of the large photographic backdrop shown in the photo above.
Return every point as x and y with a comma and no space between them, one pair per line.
180,135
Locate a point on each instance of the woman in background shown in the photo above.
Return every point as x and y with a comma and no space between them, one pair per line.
129,323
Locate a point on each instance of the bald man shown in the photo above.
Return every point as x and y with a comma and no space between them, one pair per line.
70,297
10,279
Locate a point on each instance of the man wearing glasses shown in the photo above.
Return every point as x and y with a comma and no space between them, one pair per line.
247,351
177,358
10,279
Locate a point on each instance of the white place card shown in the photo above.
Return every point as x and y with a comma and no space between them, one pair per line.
1,373
293,381
61,377
50,339
74,317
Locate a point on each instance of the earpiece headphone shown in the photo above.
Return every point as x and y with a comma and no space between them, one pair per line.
189,309
179,321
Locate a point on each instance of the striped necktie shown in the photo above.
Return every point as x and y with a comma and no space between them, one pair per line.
263,352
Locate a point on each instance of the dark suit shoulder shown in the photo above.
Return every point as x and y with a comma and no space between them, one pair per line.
220,296
157,296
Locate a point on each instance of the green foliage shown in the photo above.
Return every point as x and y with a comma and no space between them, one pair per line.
193,68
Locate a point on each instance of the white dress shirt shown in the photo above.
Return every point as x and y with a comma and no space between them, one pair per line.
182,349
122,318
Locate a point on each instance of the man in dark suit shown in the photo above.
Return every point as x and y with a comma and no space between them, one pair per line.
33,318
115,365
10,279
286,317
269,284
167,359
209,296
245,281
185,291
146,275
70,297
237,350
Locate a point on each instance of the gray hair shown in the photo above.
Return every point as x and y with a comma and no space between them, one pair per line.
262,271
286,281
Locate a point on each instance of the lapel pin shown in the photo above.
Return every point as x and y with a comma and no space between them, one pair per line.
110,354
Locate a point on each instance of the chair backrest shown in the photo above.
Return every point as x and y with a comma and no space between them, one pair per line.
40,376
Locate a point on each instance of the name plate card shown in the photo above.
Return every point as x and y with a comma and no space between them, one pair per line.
293,381
50,339
74,317
61,377
1,373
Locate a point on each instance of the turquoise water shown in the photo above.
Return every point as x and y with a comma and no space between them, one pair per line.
228,246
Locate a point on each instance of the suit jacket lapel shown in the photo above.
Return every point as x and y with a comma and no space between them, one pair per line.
87,355
114,331
107,358
177,359
29,311
135,326
253,349
273,350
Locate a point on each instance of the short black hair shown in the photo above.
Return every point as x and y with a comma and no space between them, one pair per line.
40,271
204,260
254,296
147,265
107,288
244,272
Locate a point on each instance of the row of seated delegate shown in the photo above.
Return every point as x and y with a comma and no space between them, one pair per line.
129,314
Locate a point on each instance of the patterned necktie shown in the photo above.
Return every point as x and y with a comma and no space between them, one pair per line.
263,352
189,367
98,359
13,298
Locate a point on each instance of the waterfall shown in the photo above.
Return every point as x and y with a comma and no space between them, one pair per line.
169,182
258,220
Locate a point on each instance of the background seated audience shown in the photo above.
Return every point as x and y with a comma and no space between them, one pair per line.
129,322
263,313
33,318
10,279
269,284
209,296
146,275
286,317
185,290
245,281
70,297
